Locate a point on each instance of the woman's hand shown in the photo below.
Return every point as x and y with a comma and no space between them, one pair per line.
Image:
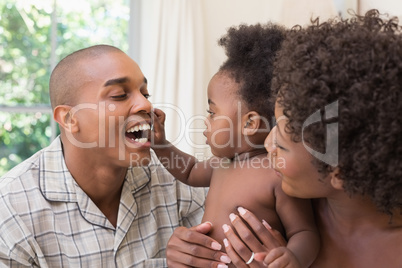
242,242
191,247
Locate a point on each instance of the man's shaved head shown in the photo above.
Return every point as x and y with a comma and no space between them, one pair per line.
66,77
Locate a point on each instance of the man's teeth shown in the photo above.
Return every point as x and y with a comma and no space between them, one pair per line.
141,140
139,127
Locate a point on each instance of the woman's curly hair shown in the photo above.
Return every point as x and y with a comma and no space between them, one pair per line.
358,64
251,51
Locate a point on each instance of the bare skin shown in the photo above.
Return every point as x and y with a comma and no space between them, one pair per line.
359,233
260,191
244,183
353,234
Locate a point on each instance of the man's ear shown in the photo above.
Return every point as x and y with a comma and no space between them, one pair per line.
63,116
335,179
251,123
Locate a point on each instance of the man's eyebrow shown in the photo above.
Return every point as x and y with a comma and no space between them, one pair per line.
210,102
145,80
116,81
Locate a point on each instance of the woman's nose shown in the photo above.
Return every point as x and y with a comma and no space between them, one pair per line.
269,143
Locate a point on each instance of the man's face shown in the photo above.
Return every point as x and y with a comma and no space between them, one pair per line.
112,111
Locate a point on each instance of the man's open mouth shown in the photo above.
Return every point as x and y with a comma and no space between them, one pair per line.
139,133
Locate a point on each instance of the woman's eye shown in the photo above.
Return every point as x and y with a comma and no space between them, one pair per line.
147,96
210,112
122,96
277,145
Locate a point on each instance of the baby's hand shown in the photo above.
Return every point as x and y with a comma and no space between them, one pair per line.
158,134
278,257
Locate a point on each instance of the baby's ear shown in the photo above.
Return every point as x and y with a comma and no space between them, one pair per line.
63,116
251,123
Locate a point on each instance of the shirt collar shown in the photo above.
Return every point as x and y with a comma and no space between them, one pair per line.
57,183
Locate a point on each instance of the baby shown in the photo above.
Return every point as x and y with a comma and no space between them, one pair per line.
239,175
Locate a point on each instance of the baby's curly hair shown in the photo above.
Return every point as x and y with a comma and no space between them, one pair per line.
251,51
357,62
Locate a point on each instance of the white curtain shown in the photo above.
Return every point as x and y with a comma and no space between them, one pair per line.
172,58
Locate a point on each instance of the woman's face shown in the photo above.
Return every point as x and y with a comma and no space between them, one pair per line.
293,163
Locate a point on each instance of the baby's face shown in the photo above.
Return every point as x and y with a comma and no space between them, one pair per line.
223,123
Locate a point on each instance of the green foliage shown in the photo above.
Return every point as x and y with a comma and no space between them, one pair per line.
25,52
22,138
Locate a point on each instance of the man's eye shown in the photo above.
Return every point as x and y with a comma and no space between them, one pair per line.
147,96
122,96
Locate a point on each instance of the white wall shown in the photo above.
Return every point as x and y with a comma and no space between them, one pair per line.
392,7
222,14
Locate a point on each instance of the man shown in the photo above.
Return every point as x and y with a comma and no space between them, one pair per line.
97,196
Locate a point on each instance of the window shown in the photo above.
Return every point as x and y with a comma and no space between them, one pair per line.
34,36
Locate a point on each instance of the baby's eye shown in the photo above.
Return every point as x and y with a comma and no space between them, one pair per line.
210,112
119,97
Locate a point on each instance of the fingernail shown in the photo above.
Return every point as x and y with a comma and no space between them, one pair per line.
225,259
216,246
225,242
232,217
222,266
266,224
241,210
225,228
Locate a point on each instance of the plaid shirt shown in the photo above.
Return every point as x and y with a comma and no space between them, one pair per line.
47,220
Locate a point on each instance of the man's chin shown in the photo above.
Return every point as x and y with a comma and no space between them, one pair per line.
139,159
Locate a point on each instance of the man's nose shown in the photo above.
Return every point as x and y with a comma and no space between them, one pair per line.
140,104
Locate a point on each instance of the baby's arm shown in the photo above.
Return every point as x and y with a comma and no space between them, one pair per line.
298,220
181,165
